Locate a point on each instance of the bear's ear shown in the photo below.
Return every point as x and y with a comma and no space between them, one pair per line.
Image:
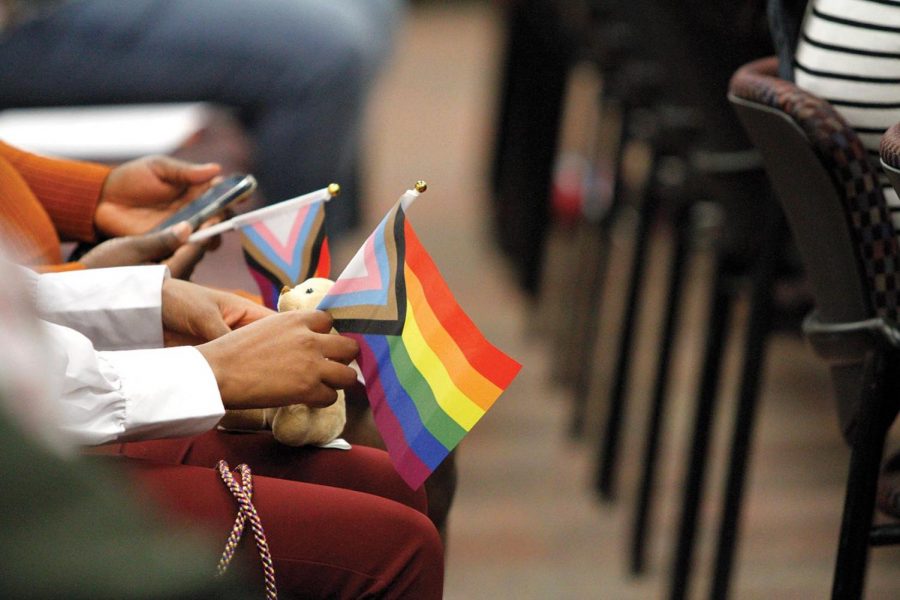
285,289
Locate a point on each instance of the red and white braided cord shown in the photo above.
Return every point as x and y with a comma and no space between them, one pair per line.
243,493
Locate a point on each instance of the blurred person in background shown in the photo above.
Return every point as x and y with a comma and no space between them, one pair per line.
297,72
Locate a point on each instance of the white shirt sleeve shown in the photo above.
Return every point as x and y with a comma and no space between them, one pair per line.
119,308
133,394
101,359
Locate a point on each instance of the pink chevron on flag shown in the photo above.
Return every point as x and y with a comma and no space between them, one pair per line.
370,280
286,243
285,250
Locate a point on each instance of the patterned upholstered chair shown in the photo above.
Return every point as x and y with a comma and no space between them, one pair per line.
829,191
888,498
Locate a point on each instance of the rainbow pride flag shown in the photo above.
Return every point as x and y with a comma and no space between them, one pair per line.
430,374
286,246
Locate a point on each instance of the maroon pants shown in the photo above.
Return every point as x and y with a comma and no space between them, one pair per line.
339,524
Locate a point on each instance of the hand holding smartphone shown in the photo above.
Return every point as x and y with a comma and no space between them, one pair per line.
213,201
209,204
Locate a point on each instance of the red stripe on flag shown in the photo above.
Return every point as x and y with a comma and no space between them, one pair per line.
323,269
496,366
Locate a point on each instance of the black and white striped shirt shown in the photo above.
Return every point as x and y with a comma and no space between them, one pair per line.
849,54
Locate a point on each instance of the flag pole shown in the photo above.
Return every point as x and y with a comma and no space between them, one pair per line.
325,194
409,196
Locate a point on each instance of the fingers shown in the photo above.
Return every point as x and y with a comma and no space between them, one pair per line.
320,396
215,242
332,347
337,375
317,320
191,313
338,348
238,311
137,249
178,171
183,261
212,328
332,376
156,246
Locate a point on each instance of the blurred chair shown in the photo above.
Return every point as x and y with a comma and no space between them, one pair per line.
692,136
666,99
830,194
540,40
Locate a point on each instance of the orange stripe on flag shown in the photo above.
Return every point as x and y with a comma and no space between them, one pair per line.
494,365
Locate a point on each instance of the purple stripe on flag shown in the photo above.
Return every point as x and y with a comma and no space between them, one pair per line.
405,460
417,436
267,289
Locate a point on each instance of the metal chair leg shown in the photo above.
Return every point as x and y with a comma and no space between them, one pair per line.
660,388
609,443
597,277
875,418
703,418
586,338
523,160
758,328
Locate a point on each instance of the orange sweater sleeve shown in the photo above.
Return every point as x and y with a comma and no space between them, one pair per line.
67,189
69,266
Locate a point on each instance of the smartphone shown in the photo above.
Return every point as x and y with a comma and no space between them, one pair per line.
216,199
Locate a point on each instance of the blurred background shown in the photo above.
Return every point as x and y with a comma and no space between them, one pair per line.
527,521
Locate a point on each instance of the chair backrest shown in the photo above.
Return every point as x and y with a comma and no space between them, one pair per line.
832,201
890,155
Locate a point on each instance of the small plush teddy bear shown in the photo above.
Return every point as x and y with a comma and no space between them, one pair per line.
296,424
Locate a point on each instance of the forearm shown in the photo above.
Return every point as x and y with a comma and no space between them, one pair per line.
69,190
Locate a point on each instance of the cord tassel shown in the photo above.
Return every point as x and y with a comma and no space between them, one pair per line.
243,493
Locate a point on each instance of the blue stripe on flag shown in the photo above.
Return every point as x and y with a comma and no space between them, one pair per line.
293,269
378,297
419,439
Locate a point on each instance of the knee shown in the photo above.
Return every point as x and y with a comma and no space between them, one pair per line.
426,543
421,560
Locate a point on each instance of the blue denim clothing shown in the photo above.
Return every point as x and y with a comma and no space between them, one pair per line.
298,71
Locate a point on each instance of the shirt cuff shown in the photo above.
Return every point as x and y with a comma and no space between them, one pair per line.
177,397
119,308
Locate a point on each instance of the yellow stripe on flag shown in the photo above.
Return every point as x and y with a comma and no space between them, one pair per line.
467,378
454,402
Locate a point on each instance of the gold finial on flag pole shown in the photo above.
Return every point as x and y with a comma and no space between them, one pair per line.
334,189
421,186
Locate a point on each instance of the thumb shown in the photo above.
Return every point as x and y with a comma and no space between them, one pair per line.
152,247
